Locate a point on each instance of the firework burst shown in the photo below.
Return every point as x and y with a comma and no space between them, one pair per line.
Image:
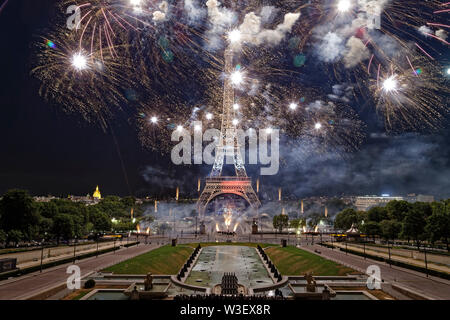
412,95
100,25
79,81
164,62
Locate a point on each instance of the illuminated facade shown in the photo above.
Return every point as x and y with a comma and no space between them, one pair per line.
366,202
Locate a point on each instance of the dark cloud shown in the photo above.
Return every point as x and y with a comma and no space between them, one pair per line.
407,163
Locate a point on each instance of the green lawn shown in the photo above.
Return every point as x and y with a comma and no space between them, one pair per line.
80,295
294,261
164,260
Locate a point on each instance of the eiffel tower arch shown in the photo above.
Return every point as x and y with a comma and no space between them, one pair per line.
228,148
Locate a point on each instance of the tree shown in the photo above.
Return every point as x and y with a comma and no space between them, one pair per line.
115,207
48,209
397,210
14,236
124,226
377,214
371,228
18,212
2,236
100,221
438,224
128,202
414,224
297,223
390,229
63,227
280,222
77,213
346,218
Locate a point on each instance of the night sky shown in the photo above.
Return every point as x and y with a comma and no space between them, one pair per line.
47,151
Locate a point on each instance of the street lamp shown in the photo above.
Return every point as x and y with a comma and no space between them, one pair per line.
74,249
97,236
389,250
42,251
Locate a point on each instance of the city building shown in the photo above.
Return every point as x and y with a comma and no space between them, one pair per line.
44,198
366,202
87,199
420,198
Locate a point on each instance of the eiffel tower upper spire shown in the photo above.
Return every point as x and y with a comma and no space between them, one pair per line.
228,147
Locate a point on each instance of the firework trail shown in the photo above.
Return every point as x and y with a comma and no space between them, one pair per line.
3,5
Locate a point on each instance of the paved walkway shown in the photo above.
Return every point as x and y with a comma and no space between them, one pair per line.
383,252
432,287
29,285
33,258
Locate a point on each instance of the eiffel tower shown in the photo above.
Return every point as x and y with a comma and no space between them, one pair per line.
228,147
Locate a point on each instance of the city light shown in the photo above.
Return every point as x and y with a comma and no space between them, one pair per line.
197,127
448,71
269,130
79,61
235,122
236,106
154,119
318,126
209,116
180,128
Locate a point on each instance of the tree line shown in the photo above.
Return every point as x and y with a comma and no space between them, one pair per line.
283,221
24,219
419,221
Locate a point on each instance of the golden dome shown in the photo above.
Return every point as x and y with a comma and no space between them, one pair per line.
97,194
